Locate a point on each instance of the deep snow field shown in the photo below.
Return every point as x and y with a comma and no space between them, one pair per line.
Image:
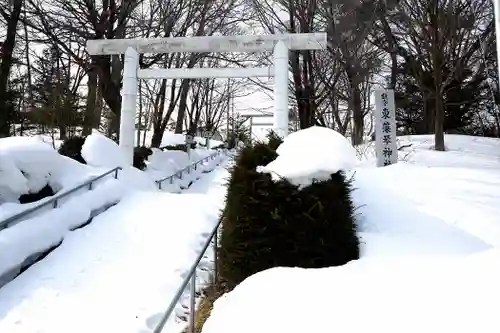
429,227
430,262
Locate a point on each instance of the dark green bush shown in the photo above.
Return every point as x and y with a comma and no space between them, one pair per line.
273,139
72,148
140,156
270,224
46,191
181,146
221,146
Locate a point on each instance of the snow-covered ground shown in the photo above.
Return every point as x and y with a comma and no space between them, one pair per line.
430,261
429,226
119,272
27,164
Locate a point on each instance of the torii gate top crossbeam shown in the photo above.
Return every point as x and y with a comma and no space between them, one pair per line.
243,43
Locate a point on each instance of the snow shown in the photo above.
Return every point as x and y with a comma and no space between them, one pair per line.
119,273
41,164
429,228
311,154
428,225
28,164
101,151
172,139
392,295
39,233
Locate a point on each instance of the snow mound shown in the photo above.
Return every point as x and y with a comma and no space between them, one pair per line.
392,296
101,151
311,154
172,139
28,164
164,161
12,181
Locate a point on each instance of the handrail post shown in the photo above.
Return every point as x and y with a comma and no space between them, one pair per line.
192,305
116,173
216,272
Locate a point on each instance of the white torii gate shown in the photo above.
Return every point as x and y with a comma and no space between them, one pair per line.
279,44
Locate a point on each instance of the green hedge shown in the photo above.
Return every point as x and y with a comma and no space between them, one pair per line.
182,147
270,224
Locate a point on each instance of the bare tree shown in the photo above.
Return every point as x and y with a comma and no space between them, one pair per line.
440,44
88,20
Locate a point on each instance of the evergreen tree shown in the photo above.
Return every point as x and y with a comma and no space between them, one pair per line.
56,102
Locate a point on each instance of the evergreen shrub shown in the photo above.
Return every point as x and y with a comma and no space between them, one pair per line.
271,224
72,148
273,139
181,146
141,154
221,146
45,192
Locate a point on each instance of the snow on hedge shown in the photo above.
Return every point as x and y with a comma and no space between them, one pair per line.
311,154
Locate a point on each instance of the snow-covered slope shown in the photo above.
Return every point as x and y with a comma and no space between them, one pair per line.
28,164
119,273
459,187
430,227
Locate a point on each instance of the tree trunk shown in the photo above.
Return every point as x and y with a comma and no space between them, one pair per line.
159,106
357,109
89,119
63,135
7,59
139,121
437,68
181,111
110,92
393,50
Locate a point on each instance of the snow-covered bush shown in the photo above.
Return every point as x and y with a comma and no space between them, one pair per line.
270,223
72,148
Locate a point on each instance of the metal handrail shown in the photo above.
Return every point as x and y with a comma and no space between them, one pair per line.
178,174
55,199
191,276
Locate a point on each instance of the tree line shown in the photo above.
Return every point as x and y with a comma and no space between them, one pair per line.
438,55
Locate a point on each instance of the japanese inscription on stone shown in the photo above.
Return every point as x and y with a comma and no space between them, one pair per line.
385,128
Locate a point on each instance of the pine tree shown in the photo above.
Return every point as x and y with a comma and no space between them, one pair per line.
56,103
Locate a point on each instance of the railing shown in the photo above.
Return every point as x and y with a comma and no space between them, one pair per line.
191,277
54,201
187,169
